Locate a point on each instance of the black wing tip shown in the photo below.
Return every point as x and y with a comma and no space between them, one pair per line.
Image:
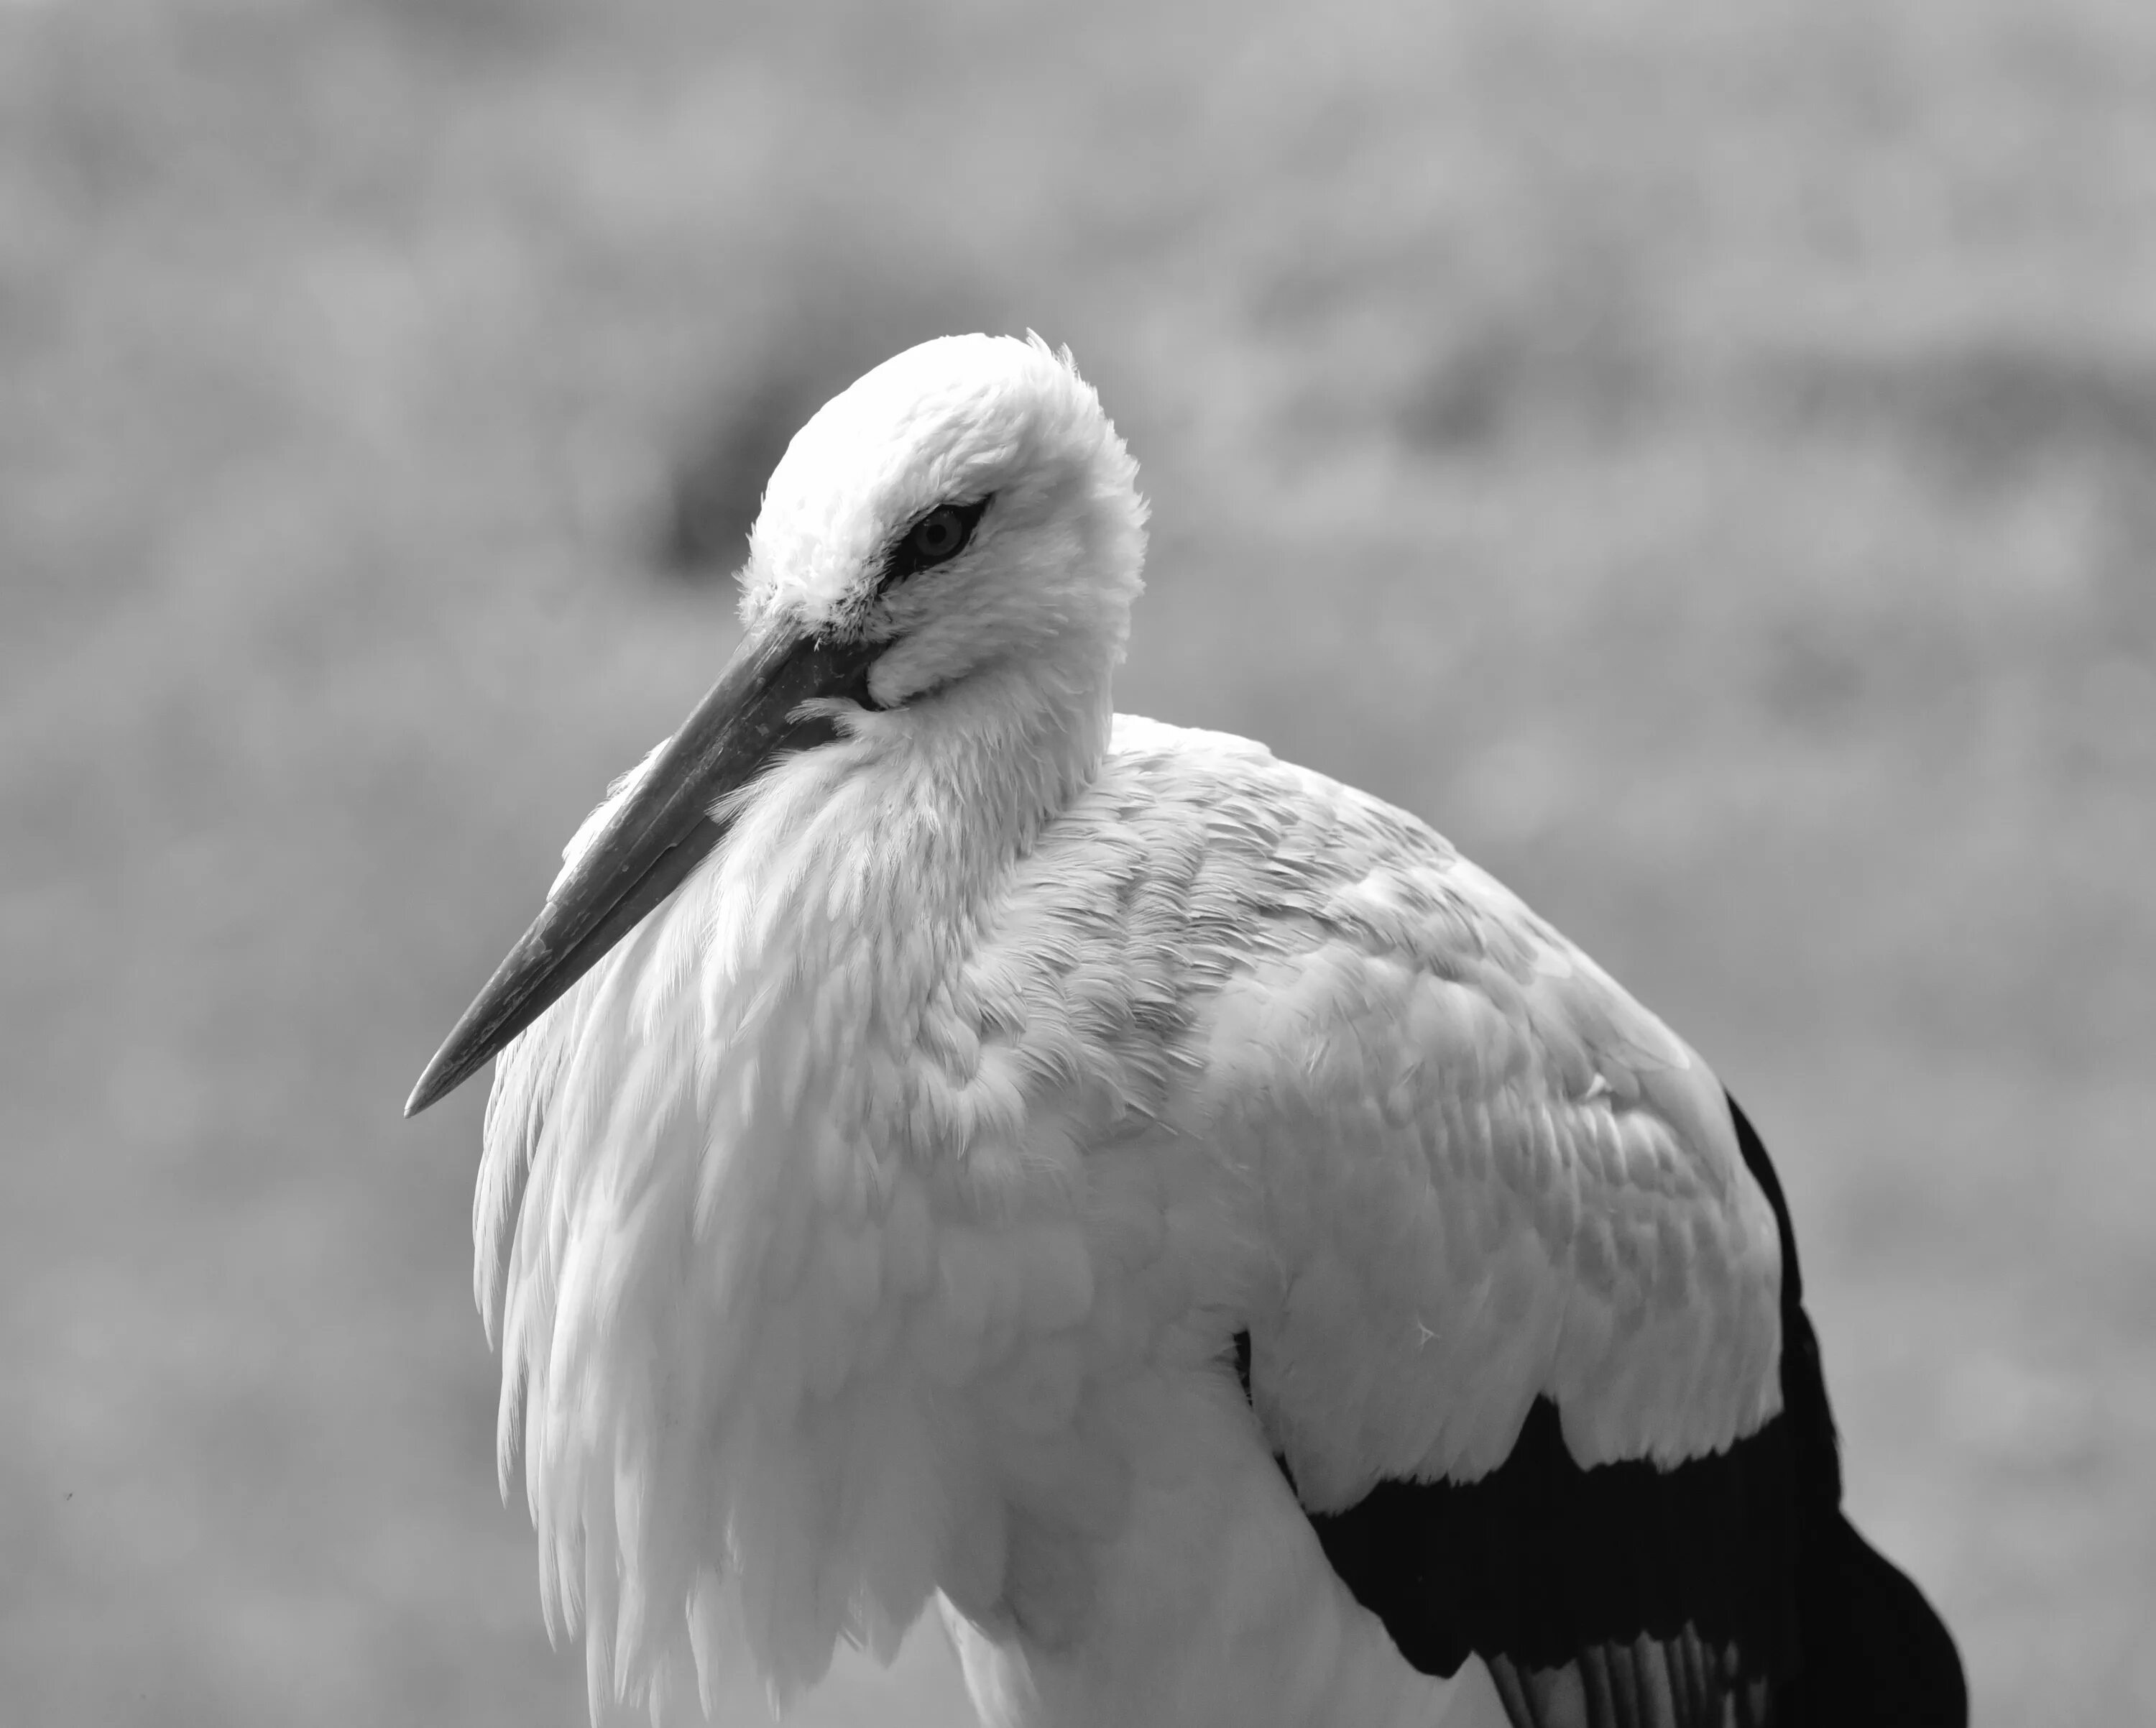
1877,1654
1776,1612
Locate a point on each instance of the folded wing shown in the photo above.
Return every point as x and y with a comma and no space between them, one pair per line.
1534,1356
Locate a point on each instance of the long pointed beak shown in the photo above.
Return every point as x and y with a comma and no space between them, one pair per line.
661,831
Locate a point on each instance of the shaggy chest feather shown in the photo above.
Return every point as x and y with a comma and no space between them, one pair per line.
888,1296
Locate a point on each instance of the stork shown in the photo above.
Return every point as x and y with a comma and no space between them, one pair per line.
953,1143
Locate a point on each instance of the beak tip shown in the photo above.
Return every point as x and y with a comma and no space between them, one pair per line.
651,840
436,1083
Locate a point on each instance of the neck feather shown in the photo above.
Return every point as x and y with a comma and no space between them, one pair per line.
861,870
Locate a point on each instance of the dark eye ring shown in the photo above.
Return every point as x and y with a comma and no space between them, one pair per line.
935,538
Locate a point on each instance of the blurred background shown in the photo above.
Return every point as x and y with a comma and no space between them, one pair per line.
1703,458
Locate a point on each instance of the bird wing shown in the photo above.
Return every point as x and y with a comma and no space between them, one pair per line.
810,1240
1516,1330
1483,1173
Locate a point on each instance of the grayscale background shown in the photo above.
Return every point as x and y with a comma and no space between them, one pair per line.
1702,457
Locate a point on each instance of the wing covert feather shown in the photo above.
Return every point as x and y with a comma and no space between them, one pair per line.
1483,1172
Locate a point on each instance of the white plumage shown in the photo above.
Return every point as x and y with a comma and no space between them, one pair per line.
876,1220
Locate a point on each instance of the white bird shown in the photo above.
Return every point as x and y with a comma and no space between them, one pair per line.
954,1144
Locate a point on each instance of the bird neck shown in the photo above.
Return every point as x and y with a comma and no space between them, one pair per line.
963,783
987,762
861,873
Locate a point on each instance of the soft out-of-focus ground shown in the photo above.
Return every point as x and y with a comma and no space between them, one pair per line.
1702,458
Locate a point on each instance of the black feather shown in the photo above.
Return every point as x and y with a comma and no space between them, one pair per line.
1729,1589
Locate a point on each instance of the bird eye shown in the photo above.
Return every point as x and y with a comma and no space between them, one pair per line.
938,535
935,538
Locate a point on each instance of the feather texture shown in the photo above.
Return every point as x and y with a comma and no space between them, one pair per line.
876,1222
848,1207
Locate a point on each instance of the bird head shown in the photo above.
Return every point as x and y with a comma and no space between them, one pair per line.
955,539
966,508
